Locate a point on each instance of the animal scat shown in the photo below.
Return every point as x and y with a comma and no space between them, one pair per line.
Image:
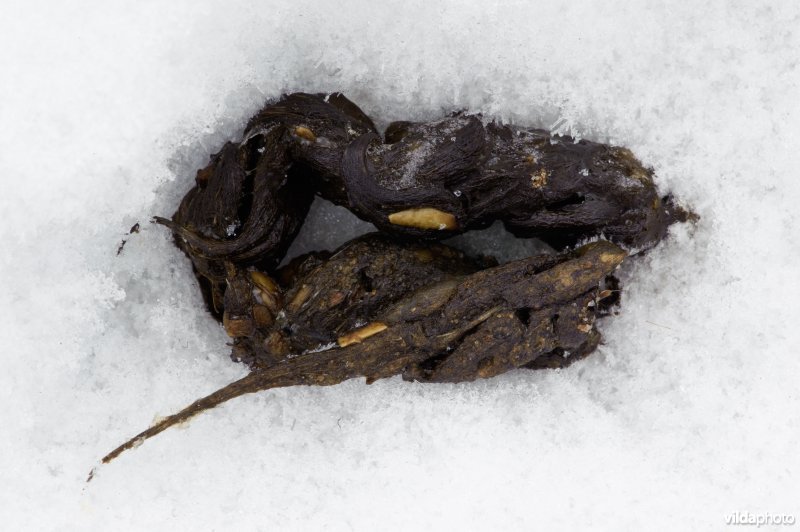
396,302
490,165
467,307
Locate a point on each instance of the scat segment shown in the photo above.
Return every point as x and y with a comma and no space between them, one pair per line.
473,326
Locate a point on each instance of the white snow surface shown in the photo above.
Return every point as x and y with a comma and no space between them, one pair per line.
689,411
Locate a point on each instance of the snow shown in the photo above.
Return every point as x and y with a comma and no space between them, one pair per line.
687,413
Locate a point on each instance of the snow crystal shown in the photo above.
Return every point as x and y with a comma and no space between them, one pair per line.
688,411
322,347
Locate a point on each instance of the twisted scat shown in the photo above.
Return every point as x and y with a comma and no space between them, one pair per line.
397,302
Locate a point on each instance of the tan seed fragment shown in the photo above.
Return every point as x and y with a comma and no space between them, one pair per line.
262,316
424,218
359,335
269,300
300,297
305,133
276,344
264,282
604,294
237,327
539,179
612,257
336,298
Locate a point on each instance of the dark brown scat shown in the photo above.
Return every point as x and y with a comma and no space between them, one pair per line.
396,303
